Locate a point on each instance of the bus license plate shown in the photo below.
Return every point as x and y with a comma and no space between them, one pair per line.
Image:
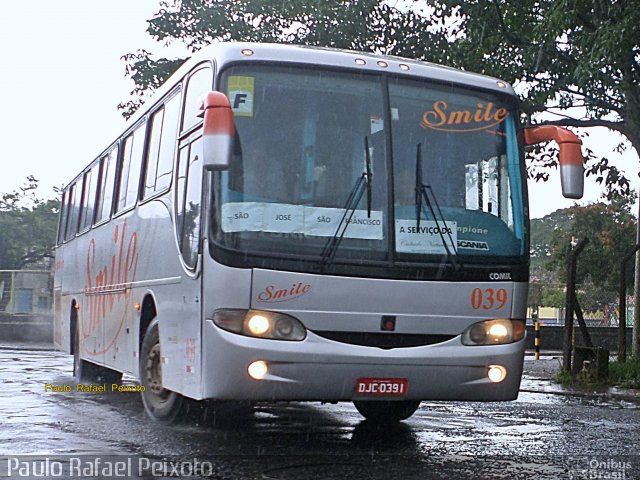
382,387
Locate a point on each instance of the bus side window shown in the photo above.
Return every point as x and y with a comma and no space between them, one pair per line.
199,84
89,198
153,153
189,191
107,180
162,144
129,180
74,203
64,214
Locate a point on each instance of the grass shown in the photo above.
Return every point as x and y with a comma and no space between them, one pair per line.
621,374
625,374
563,378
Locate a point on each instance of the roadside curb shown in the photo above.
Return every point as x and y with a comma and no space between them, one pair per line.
26,346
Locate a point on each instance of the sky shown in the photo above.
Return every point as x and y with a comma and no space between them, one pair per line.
62,78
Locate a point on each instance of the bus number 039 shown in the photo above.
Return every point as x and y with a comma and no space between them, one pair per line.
489,298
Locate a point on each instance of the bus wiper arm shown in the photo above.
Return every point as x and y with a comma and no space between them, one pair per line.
367,173
363,183
422,192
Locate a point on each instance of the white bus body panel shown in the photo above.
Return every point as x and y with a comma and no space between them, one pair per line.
123,261
322,369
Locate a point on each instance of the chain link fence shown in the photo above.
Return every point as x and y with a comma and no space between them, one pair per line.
600,308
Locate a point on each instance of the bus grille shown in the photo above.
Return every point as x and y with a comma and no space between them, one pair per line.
384,340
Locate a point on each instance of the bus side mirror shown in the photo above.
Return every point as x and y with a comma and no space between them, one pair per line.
218,132
570,158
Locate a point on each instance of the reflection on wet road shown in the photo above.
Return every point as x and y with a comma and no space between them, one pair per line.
539,435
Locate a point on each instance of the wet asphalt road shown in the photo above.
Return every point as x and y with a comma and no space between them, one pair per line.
541,435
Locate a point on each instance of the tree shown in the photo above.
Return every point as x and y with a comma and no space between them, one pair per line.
28,225
365,25
610,228
578,60
542,230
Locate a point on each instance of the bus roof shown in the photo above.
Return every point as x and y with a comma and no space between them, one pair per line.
225,53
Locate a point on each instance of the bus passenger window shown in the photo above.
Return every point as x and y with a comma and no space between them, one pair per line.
168,142
162,144
131,166
64,214
200,83
108,177
152,155
74,202
89,198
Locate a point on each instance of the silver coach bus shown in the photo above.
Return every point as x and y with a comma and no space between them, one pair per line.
293,223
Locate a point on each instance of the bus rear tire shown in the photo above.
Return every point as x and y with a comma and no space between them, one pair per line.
382,411
161,404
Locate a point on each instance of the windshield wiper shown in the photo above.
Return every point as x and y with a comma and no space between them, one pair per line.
422,192
363,183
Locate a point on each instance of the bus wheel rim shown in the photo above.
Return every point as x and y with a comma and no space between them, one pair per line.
154,374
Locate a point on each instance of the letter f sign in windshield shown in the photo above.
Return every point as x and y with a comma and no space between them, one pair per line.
239,99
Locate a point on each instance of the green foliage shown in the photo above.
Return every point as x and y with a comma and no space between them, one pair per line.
563,378
364,25
553,297
621,374
578,60
28,225
625,374
610,228
569,53
542,230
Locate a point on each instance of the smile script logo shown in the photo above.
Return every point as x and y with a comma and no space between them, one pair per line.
272,294
442,118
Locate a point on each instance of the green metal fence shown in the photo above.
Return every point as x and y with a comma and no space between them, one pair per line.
600,308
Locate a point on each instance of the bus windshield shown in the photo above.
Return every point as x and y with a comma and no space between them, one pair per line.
301,151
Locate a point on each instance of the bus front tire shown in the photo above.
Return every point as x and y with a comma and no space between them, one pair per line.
386,411
161,404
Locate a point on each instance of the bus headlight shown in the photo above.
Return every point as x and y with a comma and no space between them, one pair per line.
261,324
494,332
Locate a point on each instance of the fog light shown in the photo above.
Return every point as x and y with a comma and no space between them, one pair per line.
258,370
258,325
497,373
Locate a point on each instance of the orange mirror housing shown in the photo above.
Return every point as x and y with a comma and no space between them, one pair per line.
218,132
570,158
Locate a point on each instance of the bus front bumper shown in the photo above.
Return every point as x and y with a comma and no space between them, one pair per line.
318,369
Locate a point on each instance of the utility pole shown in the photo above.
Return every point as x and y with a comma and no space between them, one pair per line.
635,336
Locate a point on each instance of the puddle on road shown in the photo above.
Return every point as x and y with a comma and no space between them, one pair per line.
546,392
290,431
